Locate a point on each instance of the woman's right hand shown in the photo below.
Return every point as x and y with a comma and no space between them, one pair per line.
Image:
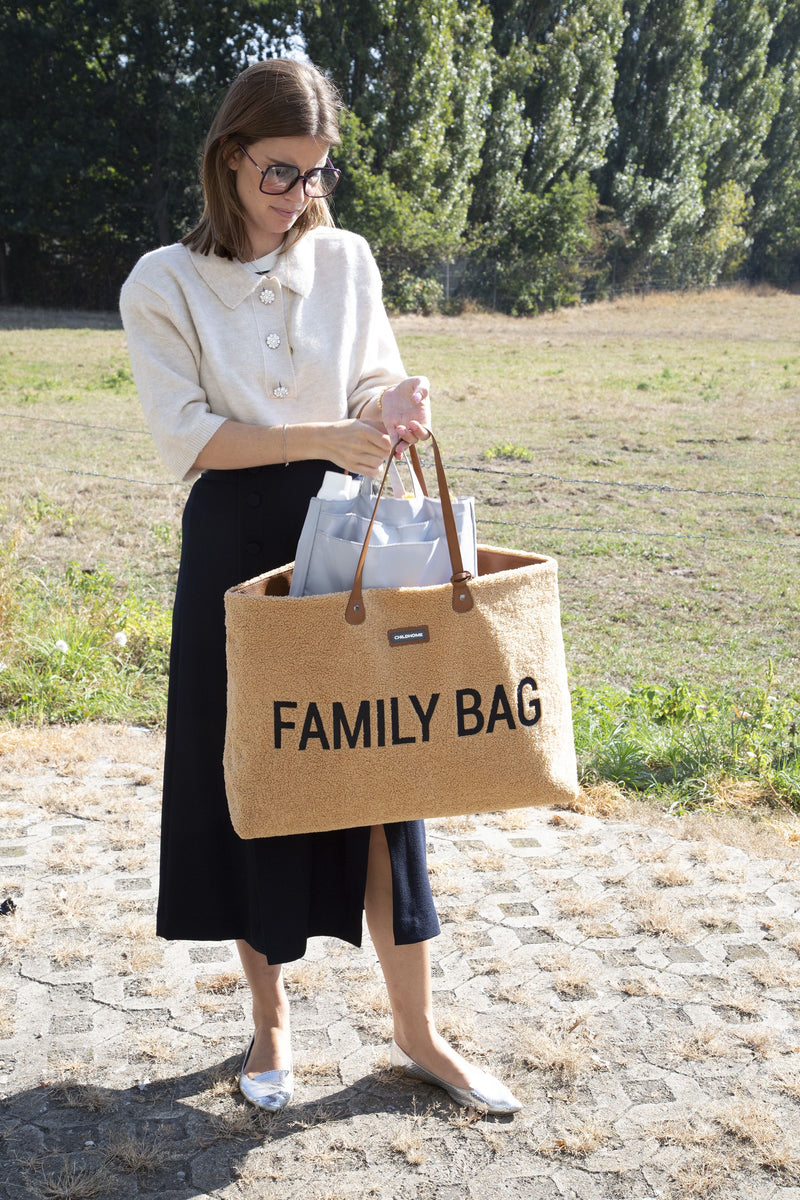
360,447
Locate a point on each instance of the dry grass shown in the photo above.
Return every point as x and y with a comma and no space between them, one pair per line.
599,800
710,1041
132,862
566,820
454,825
655,914
227,983
137,959
458,1027
72,749
309,979
761,1039
728,873
640,985
788,1078
125,837
575,983
240,1123
712,918
572,903
210,1005
748,1121
71,857
72,953
742,1002
581,1140
158,989
494,966
704,851
511,993
63,1069
672,875
71,1182
771,974
489,860
89,1096
694,1130
317,1068
444,878
511,819
793,943
156,1048
705,1177
18,933
554,958
408,1142
70,904
567,1050
371,998
257,1168
461,913
597,929
134,1155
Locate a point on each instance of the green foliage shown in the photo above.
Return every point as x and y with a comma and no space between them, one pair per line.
417,75
775,222
105,106
76,648
685,744
654,174
535,209
563,149
117,379
405,292
510,452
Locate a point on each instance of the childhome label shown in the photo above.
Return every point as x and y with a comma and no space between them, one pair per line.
402,720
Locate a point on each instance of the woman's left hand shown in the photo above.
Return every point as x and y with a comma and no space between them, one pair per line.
406,411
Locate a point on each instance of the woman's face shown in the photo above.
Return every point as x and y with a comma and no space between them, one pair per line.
269,218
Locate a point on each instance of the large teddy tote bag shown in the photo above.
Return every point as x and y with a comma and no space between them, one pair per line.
389,704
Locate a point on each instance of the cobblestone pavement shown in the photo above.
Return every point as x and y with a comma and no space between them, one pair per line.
633,977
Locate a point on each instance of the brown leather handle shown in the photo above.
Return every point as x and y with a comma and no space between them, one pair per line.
355,613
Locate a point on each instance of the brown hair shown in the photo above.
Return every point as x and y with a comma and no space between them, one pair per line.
276,98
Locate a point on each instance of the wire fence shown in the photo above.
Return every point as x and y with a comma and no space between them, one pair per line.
490,472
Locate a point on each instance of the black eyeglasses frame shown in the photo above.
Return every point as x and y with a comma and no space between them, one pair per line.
329,170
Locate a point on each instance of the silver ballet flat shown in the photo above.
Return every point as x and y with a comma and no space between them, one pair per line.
487,1094
271,1090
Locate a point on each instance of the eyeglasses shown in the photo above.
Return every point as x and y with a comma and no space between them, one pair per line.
278,178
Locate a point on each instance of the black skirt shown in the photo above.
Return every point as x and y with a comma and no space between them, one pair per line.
274,893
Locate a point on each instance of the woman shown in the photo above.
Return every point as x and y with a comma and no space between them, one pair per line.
263,356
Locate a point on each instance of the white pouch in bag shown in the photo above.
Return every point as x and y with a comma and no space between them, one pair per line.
408,547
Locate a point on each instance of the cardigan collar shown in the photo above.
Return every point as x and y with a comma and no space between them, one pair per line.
232,282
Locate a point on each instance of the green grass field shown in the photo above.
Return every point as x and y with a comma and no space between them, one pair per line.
650,445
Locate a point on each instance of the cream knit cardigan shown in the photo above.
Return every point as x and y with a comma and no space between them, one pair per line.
211,340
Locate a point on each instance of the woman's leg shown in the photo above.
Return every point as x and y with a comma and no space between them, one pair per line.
272,1047
407,972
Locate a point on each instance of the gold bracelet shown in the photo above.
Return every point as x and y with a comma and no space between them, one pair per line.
381,394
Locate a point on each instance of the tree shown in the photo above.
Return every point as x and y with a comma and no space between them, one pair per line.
551,118
742,91
416,76
654,176
775,222
106,104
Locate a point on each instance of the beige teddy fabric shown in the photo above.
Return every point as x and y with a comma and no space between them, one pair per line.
420,711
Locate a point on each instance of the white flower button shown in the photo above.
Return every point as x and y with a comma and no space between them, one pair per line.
273,341
267,296
280,392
